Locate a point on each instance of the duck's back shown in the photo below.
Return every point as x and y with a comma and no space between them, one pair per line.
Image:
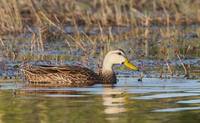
54,76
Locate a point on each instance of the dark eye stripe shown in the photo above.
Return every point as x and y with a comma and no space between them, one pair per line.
122,51
119,53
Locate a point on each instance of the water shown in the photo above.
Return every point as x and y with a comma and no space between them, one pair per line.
152,100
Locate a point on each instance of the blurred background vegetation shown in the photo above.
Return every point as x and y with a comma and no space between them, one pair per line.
148,28
16,15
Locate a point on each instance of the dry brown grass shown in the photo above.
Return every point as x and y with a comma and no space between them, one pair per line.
20,16
17,15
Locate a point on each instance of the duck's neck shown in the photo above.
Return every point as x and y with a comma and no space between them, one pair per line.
107,73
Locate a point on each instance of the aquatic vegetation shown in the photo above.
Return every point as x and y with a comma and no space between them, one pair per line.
84,31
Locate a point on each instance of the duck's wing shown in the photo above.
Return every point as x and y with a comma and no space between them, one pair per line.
76,75
44,69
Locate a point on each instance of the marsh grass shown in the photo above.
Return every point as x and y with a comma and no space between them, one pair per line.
16,15
97,27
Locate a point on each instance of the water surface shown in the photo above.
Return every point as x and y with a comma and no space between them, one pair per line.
152,100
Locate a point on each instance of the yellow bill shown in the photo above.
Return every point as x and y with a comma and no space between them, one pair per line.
130,65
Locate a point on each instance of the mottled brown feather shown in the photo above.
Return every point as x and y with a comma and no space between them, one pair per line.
68,76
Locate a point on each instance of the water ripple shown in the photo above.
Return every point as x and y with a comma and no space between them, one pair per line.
176,109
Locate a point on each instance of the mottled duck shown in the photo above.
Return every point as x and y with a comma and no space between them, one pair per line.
76,76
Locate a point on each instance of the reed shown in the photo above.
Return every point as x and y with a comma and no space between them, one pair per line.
15,15
18,17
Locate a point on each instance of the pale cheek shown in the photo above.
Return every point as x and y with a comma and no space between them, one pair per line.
121,60
117,59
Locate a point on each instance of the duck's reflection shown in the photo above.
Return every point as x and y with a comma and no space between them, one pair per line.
113,100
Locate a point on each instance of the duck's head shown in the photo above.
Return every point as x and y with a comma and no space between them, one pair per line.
117,57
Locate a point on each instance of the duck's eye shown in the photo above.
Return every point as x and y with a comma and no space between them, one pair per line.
119,53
